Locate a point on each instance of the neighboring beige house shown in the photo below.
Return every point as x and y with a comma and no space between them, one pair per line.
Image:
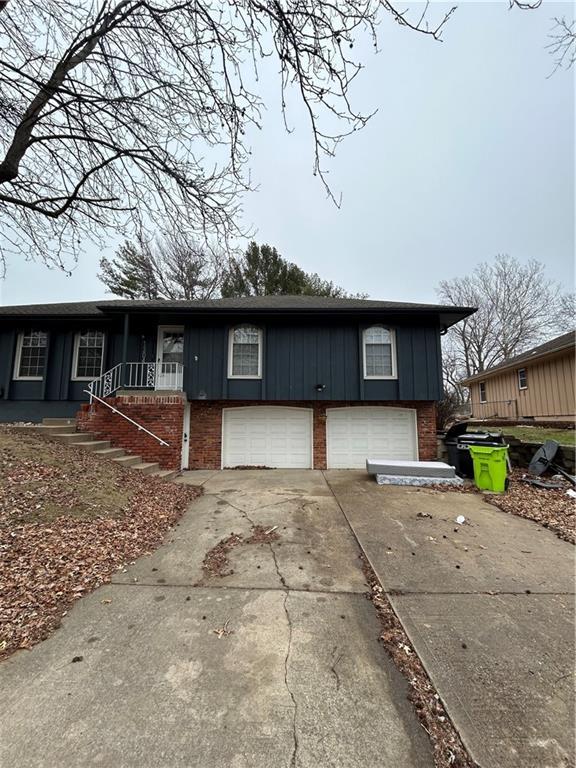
538,384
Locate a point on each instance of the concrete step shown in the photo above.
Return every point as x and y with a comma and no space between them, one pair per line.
73,437
165,474
128,461
59,422
110,453
93,445
146,467
55,429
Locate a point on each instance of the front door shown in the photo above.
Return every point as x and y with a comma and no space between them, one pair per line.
169,357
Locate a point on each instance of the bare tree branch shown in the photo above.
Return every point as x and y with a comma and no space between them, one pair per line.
518,307
126,114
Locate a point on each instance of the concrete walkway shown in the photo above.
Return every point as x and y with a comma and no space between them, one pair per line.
489,607
300,682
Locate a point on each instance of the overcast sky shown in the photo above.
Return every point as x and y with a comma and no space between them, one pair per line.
471,154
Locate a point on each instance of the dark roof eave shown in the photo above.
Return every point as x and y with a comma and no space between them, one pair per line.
448,315
516,363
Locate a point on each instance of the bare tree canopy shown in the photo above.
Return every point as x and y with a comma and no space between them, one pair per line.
123,113
518,307
172,267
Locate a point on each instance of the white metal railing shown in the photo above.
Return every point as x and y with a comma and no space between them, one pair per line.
164,376
107,384
135,423
154,376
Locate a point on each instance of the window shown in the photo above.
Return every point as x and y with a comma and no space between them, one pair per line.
245,353
379,353
482,391
88,355
522,378
31,355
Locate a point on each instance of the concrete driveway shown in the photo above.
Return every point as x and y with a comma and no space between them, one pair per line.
489,607
137,676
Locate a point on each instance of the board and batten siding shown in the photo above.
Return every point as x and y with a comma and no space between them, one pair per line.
550,393
297,358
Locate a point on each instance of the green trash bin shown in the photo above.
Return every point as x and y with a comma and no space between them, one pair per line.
490,467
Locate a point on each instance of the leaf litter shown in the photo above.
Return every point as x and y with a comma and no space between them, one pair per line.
68,521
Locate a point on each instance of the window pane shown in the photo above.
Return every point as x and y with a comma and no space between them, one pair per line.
245,360
172,347
246,336
378,359
245,351
89,359
33,354
377,335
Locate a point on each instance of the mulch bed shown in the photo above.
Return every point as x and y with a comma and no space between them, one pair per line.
448,750
68,522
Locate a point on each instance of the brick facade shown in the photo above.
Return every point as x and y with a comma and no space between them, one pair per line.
206,427
163,415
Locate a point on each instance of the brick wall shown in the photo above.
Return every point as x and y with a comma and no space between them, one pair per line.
163,415
206,427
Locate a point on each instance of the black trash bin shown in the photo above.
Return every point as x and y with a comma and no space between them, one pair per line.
458,441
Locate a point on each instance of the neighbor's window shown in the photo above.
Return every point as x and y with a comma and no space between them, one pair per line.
482,391
31,355
88,355
522,378
379,353
245,353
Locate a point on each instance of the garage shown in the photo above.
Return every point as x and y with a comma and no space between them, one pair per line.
355,434
267,436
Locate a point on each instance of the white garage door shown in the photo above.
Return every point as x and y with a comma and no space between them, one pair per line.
269,436
356,434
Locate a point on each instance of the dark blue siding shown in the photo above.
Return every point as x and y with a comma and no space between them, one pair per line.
298,355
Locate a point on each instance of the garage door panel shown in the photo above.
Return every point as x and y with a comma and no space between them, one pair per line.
355,434
271,436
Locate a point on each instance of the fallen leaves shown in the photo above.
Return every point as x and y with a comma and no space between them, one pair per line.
449,752
553,509
68,522
216,561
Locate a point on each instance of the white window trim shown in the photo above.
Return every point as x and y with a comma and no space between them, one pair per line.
525,377
392,333
480,391
74,377
230,347
18,357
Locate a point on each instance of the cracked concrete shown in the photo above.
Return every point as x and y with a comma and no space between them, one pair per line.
300,682
489,608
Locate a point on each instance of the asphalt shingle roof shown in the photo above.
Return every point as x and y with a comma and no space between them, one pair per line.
250,303
566,341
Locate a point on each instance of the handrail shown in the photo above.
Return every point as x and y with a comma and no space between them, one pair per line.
139,426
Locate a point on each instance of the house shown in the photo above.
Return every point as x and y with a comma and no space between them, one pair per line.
536,385
277,381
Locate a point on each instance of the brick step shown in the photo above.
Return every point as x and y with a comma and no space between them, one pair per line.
93,445
128,460
110,453
146,467
59,423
